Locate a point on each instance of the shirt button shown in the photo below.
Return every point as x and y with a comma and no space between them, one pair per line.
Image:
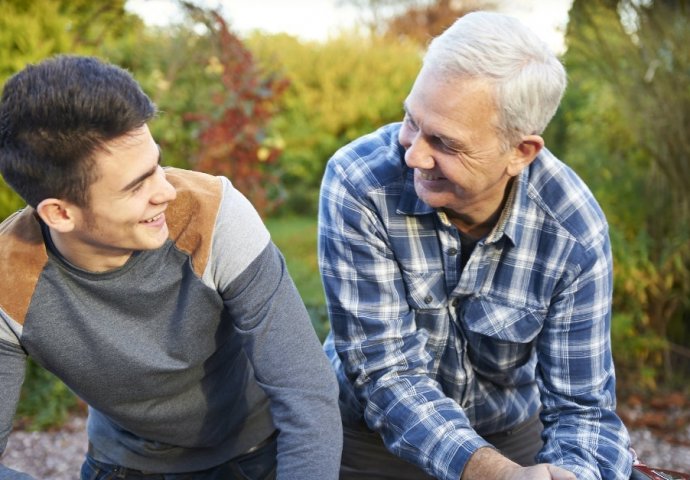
452,251
428,299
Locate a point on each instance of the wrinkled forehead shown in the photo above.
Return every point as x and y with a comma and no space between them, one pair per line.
458,100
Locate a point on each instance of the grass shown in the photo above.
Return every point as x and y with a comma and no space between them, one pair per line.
296,238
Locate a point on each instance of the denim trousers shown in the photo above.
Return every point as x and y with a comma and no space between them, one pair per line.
259,464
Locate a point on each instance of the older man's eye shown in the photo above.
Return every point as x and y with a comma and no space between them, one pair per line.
441,144
410,123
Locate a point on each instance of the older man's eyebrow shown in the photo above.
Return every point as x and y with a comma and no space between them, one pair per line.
406,109
448,141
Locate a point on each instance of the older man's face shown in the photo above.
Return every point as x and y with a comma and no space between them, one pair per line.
450,140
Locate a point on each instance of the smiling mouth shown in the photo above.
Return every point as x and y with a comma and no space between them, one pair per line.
428,176
153,219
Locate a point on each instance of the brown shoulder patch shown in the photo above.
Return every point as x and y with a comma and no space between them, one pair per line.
22,259
192,216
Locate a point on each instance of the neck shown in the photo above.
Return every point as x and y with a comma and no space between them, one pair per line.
478,222
473,227
86,256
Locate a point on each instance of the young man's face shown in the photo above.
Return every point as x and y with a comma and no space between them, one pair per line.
126,204
450,140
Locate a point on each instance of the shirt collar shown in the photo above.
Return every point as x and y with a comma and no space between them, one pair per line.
510,224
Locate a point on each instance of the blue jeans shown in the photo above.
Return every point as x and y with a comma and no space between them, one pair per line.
259,464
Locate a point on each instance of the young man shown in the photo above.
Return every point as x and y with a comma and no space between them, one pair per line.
468,278
155,294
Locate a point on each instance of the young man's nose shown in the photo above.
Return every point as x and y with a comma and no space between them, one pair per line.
164,192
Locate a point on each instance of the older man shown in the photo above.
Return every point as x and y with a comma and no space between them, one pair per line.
468,277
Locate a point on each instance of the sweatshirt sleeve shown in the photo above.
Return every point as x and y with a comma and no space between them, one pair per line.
279,341
12,371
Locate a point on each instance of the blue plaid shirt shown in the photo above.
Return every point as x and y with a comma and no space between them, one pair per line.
433,357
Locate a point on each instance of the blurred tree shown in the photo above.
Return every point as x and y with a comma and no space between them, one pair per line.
339,90
630,84
94,23
234,139
644,49
215,102
375,13
178,69
424,21
418,20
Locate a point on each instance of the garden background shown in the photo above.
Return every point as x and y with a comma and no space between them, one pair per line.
268,110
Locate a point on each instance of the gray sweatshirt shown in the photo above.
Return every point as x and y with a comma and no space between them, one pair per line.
187,355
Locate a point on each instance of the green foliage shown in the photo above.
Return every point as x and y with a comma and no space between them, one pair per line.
638,372
175,70
33,30
10,202
45,401
29,32
339,90
623,125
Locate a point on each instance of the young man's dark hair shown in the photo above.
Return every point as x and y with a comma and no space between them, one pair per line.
56,115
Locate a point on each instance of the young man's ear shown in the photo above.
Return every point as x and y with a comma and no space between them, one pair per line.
57,214
525,153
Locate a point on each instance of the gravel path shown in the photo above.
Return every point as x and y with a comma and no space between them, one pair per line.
58,455
55,455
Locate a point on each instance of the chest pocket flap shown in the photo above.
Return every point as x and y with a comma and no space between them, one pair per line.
500,339
502,322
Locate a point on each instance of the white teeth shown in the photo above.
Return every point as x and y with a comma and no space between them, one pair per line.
426,176
151,220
